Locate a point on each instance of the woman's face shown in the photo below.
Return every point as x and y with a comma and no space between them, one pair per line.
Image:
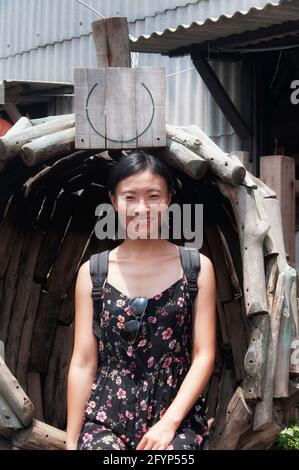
141,201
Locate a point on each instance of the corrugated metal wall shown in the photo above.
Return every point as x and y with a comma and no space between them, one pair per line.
46,39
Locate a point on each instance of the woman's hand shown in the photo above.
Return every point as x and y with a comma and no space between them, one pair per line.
158,437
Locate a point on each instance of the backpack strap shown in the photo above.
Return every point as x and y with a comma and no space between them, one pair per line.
98,268
190,258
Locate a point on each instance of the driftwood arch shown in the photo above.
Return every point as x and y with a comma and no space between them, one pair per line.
48,196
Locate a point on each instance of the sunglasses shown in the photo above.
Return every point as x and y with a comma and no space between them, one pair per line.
130,329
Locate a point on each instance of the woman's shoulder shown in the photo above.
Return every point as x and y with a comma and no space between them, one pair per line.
207,273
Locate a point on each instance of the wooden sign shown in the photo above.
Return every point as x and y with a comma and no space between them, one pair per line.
119,107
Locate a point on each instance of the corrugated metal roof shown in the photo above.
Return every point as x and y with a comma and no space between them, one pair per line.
45,22
196,32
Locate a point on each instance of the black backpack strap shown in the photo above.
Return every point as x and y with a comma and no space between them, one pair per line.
190,258
98,267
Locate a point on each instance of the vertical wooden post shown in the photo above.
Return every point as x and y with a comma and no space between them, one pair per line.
111,38
278,172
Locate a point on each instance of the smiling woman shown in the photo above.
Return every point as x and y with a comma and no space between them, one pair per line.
143,375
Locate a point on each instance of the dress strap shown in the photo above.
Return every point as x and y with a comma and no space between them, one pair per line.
190,258
98,267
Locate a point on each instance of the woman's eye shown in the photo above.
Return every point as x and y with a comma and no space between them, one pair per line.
154,196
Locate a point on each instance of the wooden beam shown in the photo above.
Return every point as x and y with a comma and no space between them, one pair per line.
13,112
278,172
220,95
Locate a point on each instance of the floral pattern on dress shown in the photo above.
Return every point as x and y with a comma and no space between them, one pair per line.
135,383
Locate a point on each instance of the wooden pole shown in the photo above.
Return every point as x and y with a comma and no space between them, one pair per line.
111,38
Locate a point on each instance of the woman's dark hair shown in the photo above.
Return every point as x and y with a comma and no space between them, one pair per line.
140,160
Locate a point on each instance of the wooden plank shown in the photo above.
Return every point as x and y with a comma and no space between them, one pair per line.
95,114
278,172
237,335
120,108
111,38
78,233
56,380
150,105
65,205
238,421
35,394
81,94
264,408
44,332
29,254
24,352
9,289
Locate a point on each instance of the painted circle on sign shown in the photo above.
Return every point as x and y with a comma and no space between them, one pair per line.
115,140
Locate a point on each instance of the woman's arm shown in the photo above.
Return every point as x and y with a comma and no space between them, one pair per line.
203,358
84,362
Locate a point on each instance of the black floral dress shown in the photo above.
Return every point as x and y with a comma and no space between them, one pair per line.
135,383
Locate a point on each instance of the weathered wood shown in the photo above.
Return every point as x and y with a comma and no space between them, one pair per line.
224,285
237,335
264,408
282,368
29,255
56,380
51,175
20,125
79,231
42,120
8,418
65,205
67,309
40,436
24,351
14,395
255,358
261,440
111,38
225,341
223,165
35,394
150,110
227,387
120,107
294,350
49,146
12,111
252,231
44,332
9,289
281,179
5,444
11,145
270,208
9,229
238,419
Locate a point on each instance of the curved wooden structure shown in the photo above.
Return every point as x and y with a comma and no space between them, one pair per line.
48,196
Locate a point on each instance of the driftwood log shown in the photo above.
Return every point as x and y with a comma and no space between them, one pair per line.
48,197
